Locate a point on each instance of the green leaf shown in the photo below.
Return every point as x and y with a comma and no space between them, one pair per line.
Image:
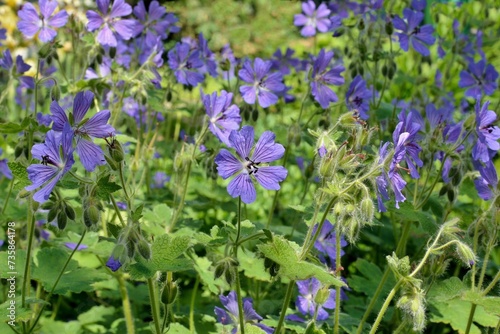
446,290
406,213
21,314
106,187
455,312
491,304
252,329
12,127
155,221
253,266
137,213
18,263
20,175
50,262
96,314
167,251
284,252
202,265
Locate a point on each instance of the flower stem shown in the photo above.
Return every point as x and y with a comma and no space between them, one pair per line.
8,195
338,268
127,310
154,305
192,328
241,315
61,272
31,228
286,301
385,306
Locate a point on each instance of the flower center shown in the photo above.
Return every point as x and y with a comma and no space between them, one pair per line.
251,166
416,31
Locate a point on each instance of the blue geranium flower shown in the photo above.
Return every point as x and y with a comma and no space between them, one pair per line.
247,164
411,31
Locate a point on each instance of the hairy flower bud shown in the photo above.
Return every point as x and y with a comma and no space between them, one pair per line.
115,150
144,249
169,293
322,295
62,220
466,254
70,212
91,216
55,93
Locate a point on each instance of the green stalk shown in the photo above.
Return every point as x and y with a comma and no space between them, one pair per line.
286,302
8,195
385,306
178,211
192,328
338,267
31,228
127,310
241,315
57,280
383,280
154,305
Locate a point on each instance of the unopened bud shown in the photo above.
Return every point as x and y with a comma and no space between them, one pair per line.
466,254
47,205
70,212
389,28
24,193
169,293
361,24
219,270
115,150
112,52
367,209
55,93
229,276
322,295
113,164
91,216
52,214
144,249
45,50
62,220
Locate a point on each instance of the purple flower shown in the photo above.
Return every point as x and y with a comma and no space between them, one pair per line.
306,303
56,156
263,84
284,62
321,77
436,116
409,123
223,116
480,78
91,155
312,19
230,315
31,22
228,63
3,34
326,243
358,97
155,21
138,111
110,24
186,64
159,180
420,36
72,246
4,168
207,57
419,5
487,182
487,133
113,263
266,150
7,63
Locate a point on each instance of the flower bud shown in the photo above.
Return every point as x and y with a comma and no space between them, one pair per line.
361,25
451,195
24,193
45,50
466,254
219,270
52,213
169,293
113,164
48,205
294,134
322,295
62,220
389,28
367,209
116,150
55,93
144,249
91,216
112,52
229,276
70,212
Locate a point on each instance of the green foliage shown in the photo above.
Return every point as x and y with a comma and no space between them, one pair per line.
49,264
285,253
167,255
105,187
20,175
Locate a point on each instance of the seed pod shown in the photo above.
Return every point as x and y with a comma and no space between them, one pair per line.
55,93
229,276
70,212
219,270
62,220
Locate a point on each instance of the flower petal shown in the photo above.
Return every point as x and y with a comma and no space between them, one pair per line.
242,185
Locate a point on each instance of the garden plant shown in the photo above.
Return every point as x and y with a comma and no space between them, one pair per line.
249,166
